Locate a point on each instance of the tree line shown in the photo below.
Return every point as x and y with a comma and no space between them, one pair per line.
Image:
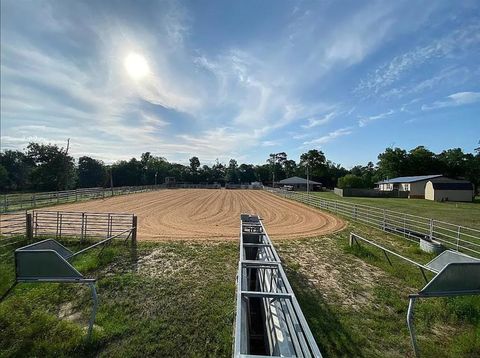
43,167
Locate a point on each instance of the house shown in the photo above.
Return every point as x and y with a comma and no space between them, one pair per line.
449,190
300,184
415,185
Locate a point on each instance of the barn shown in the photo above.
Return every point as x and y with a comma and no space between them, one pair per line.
300,184
449,190
415,185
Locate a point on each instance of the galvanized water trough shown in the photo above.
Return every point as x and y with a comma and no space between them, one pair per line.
50,261
456,274
269,321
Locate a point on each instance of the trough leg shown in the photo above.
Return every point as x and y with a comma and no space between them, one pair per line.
8,291
411,328
94,310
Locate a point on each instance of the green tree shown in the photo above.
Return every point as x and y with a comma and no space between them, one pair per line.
290,168
194,165
316,162
246,173
3,178
18,167
392,163
231,175
350,181
91,172
54,168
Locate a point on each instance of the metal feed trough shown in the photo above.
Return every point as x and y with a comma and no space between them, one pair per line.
269,321
456,274
50,261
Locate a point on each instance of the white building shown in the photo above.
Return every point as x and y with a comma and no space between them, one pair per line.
449,190
415,185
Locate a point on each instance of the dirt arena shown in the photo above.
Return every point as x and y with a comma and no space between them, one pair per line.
212,214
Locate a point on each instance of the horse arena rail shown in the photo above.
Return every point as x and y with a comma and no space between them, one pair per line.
18,202
18,227
269,320
411,227
25,201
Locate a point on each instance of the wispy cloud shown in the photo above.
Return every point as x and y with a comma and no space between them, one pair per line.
313,122
389,73
456,99
363,121
330,136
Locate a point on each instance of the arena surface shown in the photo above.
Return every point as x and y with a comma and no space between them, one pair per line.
205,214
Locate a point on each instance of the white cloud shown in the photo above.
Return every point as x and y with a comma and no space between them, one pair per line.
454,100
330,136
391,72
313,122
367,120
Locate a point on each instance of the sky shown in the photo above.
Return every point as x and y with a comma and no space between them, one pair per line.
240,79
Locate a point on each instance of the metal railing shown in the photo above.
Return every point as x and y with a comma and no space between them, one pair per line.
24,201
82,225
12,228
412,227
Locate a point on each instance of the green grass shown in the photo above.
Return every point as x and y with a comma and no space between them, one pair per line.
465,214
177,299
171,299
356,303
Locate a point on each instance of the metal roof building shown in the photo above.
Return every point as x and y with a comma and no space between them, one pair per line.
300,184
412,179
449,190
415,185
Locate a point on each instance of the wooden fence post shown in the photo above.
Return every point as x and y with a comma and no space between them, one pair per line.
29,227
134,232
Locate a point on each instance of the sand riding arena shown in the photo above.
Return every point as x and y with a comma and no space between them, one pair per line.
200,214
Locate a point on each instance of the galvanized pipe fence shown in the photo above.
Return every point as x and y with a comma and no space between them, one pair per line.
18,227
408,226
26,201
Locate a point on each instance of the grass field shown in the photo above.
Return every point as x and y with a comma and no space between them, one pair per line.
172,299
465,214
177,299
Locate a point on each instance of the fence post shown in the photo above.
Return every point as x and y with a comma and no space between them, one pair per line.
430,234
34,201
384,220
76,195
83,227
458,236
29,227
5,202
134,232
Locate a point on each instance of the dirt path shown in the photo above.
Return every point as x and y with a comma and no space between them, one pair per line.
212,214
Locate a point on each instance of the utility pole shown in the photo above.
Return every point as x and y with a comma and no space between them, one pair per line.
308,185
111,180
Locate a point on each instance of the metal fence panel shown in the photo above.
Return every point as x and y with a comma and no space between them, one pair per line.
411,227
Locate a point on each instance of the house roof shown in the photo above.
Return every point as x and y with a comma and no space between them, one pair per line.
297,180
411,179
458,185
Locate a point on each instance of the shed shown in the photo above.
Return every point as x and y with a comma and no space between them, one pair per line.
449,190
300,184
415,185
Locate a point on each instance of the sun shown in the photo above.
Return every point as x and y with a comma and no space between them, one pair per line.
136,66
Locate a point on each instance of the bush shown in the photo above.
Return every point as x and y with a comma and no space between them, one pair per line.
350,181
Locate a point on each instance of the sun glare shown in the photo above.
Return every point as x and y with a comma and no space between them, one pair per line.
136,66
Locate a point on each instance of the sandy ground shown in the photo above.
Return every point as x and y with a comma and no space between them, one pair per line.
212,214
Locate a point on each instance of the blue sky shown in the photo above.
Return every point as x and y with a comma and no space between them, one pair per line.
241,79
